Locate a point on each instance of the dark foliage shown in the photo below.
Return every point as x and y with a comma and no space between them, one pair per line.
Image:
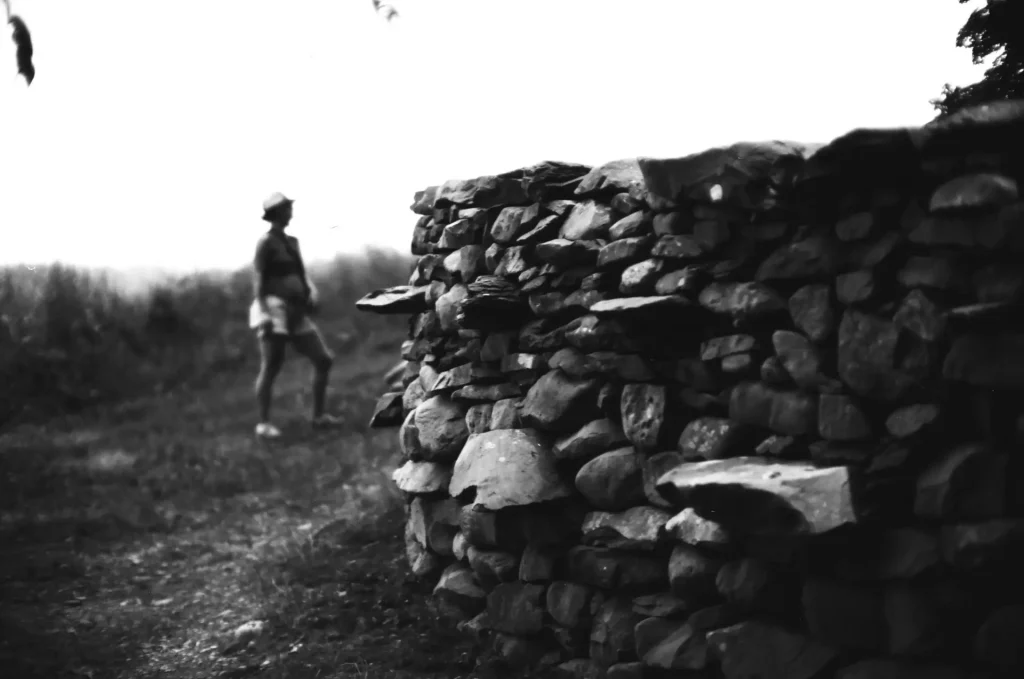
997,29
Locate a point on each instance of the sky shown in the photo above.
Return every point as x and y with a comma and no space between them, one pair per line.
154,130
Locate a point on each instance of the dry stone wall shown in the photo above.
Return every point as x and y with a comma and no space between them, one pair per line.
752,413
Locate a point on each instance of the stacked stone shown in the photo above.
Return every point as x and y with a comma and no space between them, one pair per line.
756,412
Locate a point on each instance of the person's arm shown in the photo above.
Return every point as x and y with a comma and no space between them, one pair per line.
259,269
310,290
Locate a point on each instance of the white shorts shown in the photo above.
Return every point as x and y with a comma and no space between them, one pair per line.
277,316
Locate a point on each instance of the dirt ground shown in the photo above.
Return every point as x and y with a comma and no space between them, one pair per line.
160,539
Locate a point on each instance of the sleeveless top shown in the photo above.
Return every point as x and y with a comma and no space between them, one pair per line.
278,256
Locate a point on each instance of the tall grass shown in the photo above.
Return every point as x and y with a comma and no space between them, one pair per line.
71,337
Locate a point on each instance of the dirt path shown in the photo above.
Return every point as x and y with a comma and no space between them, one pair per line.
162,540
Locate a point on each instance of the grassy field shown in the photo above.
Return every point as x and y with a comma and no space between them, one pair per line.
146,533
70,338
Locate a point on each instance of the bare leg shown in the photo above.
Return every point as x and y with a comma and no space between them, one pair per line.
311,345
272,350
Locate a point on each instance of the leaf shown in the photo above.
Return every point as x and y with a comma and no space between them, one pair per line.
23,40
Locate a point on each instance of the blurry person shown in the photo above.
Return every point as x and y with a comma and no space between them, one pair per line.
285,300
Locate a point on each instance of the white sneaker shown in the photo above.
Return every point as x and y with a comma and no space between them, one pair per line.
267,431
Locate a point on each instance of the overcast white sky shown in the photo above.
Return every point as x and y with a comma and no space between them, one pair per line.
154,130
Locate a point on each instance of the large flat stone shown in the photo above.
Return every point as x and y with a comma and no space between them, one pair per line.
731,168
613,177
507,467
978,191
625,306
787,498
401,299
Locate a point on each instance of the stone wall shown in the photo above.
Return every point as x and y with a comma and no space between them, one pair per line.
752,413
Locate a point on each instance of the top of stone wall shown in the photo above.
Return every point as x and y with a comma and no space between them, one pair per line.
755,175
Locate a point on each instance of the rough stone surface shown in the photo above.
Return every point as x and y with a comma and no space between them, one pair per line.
612,637
692,573
785,498
590,440
742,301
516,608
402,299
643,414
441,425
587,220
841,419
458,594
868,358
508,467
691,528
556,401
713,438
613,481
812,311
751,413
799,358
637,528
786,412
422,477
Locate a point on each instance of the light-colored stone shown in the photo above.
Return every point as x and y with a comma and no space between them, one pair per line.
422,477
764,497
402,299
689,527
643,414
441,424
637,528
457,593
507,467
587,220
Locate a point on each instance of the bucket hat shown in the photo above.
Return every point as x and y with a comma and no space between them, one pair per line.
273,202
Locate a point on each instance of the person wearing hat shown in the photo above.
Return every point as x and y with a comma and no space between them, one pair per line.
285,300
